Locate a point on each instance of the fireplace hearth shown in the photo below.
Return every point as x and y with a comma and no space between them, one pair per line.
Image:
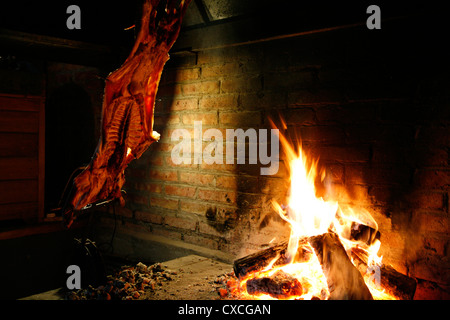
378,129
253,97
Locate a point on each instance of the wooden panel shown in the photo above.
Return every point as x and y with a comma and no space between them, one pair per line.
20,103
17,191
41,161
22,157
18,145
18,168
18,210
18,121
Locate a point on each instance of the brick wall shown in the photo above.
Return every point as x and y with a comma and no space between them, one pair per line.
372,106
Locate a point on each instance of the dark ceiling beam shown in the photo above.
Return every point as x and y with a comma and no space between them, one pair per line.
262,28
203,11
56,49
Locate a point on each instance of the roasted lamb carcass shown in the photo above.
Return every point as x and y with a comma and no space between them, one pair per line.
128,105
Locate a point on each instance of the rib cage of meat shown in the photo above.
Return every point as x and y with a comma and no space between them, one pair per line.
128,105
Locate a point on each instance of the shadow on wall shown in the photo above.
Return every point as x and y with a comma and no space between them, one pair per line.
70,138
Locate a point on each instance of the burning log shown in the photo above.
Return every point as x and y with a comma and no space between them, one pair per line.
261,259
343,279
364,233
280,285
396,283
128,105
345,282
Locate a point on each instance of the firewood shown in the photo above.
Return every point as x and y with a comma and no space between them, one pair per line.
395,283
280,285
260,259
344,281
363,233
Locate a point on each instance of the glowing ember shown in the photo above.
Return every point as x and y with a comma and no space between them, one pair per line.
309,215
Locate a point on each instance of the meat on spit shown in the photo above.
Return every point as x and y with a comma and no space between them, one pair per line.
128,105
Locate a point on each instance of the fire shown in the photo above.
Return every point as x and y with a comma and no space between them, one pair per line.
309,215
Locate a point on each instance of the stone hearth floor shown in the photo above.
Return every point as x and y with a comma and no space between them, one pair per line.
195,279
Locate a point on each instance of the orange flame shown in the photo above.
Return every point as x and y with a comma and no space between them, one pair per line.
309,215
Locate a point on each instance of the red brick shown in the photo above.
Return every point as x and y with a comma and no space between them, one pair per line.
219,167
180,191
432,179
392,239
249,201
198,207
218,102
203,87
184,104
197,178
220,70
164,203
432,222
431,268
241,84
156,160
205,118
207,229
240,119
214,195
274,186
335,172
383,194
427,200
177,75
165,175
435,245
148,217
201,241
226,182
180,222
337,192
165,232
427,290
215,56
